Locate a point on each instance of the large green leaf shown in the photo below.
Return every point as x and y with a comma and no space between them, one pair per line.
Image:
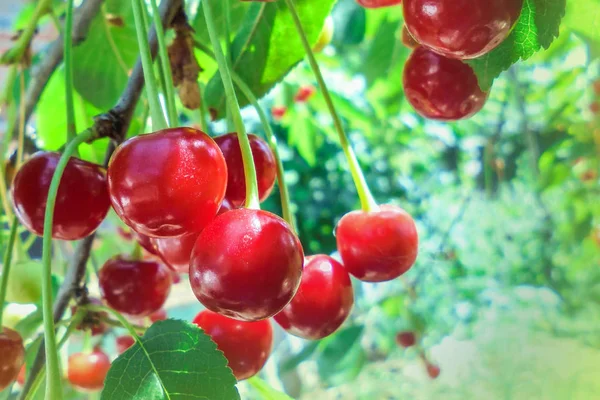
176,360
237,12
268,46
537,27
342,356
101,64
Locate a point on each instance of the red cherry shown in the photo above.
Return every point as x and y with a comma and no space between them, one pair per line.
134,287
246,345
159,315
377,246
124,342
168,183
432,370
278,112
264,161
81,204
408,40
13,356
406,339
93,320
304,93
323,301
441,88
176,277
87,371
378,3
595,108
246,264
461,28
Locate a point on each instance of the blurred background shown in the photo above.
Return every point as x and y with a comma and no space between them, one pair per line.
505,295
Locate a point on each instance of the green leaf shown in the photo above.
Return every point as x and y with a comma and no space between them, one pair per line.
176,360
267,392
268,46
296,359
237,12
583,18
102,62
302,136
342,356
536,28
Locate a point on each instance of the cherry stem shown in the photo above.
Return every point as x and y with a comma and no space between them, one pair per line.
252,200
366,198
156,112
203,110
68,60
6,268
53,379
165,65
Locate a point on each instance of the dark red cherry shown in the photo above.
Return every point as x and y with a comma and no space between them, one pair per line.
264,161
406,339
246,345
378,3
168,183
379,245
323,301
12,356
278,112
441,88
93,320
246,264
124,342
134,287
407,39
461,28
304,93
159,315
432,370
87,371
81,203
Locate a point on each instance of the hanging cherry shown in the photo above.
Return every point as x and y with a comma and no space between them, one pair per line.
246,345
378,245
441,88
123,343
461,29
13,356
406,339
81,202
87,371
168,183
323,301
134,287
246,264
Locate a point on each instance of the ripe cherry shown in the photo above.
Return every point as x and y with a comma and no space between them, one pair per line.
13,356
278,112
408,40
246,345
264,161
87,371
379,245
406,339
461,28
168,183
134,287
378,3
432,370
323,301
304,93
246,264
159,315
81,203
124,342
441,88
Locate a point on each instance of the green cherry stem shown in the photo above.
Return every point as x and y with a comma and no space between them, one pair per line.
6,266
203,110
53,379
68,60
156,112
366,198
252,200
165,65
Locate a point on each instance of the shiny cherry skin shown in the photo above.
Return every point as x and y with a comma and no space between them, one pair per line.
13,356
264,161
304,93
124,342
323,301
246,264
406,339
175,252
168,183
134,287
378,245
81,203
441,88
246,345
378,3
87,371
461,29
